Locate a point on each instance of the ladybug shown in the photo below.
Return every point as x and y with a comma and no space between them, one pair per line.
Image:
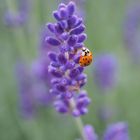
85,58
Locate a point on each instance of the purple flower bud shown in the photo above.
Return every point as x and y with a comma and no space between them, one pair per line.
81,69
63,24
60,88
83,83
74,73
64,81
82,38
71,8
56,73
68,95
55,64
55,81
61,106
81,77
63,13
56,15
70,65
78,46
79,22
52,56
59,29
61,5
62,59
78,30
117,131
76,113
72,40
52,41
72,21
51,27
90,133
64,36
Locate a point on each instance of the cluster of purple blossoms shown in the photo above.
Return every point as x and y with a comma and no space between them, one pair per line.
131,32
68,77
116,131
105,71
19,18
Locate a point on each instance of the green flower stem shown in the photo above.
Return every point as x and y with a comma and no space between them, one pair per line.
78,122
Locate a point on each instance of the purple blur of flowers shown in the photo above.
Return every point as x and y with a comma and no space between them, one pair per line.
16,19
105,71
105,113
33,91
131,32
26,102
68,77
90,133
117,131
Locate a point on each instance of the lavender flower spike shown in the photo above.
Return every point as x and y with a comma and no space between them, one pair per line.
19,18
67,75
117,131
131,32
105,71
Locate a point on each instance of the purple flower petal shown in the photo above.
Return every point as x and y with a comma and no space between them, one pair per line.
74,73
56,73
63,13
52,41
71,8
82,38
62,59
56,15
51,27
78,30
52,56
72,40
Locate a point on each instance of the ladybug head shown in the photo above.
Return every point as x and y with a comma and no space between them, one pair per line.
85,51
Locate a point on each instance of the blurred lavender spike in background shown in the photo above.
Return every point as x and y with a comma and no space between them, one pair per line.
19,18
117,131
105,113
67,75
131,32
25,90
33,88
90,133
41,82
105,71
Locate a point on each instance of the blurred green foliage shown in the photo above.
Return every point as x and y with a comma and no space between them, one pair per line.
104,27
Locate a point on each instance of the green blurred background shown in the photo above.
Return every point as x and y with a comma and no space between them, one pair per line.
104,27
